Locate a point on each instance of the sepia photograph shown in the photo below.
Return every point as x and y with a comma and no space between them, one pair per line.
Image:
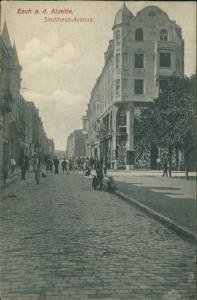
98,150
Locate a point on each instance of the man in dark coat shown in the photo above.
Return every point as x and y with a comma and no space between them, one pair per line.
23,166
99,173
64,166
165,167
56,165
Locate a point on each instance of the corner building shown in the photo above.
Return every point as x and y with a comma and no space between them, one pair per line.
145,51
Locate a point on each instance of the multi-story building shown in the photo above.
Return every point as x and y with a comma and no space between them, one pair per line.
39,144
76,145
5,99
11,94
144,52
21,129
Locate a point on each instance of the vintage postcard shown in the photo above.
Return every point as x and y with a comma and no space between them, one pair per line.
98,150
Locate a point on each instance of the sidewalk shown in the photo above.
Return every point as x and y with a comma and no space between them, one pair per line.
11,178
172,200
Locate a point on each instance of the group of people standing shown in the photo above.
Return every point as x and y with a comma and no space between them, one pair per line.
84,164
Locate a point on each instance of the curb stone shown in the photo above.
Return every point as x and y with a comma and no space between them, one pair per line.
167,221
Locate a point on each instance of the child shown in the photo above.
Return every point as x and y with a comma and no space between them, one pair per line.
111,185
95,182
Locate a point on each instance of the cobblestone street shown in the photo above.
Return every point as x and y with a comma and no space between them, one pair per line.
63,240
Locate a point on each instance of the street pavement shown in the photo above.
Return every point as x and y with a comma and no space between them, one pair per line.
174,198
64,240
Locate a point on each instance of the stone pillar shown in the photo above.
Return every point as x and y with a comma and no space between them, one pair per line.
130,137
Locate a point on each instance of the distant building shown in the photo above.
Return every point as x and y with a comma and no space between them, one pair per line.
76,145
144,52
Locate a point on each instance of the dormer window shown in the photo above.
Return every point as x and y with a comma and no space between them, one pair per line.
118,35
139,35
164,35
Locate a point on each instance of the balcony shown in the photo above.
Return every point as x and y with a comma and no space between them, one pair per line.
165,45
5,101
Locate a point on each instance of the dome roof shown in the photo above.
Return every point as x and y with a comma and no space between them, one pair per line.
123,16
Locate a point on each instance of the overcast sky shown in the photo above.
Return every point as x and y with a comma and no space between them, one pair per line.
61,61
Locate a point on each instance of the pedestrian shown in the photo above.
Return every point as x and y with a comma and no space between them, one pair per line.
165,167
111,185
24,167
95,182
12,165
47,164
5,172
37,174
99,173
51,165
79,163
87,170
56,165
64,166
31,166
70,164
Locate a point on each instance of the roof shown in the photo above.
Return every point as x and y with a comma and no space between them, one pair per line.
5,36
123,16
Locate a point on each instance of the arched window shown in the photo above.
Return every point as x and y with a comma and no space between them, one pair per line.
117,35
139,34
164,35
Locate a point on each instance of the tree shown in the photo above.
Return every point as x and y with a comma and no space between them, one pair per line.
170,120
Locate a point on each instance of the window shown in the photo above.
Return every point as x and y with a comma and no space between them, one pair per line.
121,118
139,86
139,34
163,83
117,35
164,35
124,86
117,87
118,61
125,61
139,60
165,60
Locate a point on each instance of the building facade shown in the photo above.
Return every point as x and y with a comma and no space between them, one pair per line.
21,129
144,52
76,145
